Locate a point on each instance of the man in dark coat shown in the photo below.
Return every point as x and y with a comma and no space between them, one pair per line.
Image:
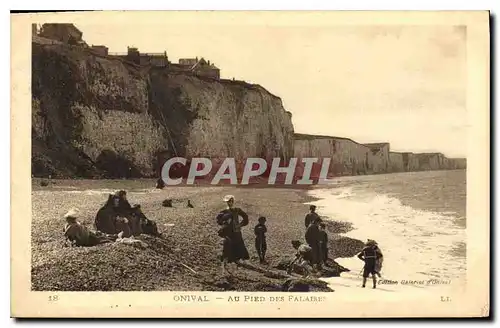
313,239
233,249
324,243
311,216
105,220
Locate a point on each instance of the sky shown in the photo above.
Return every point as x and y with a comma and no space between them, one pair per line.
405,85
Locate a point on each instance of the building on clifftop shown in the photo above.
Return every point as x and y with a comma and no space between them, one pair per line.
198,67
207,69
192,66
156,59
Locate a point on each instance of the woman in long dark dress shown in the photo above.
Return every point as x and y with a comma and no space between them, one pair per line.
233,249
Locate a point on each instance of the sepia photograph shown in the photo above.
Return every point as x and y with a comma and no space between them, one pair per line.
257,153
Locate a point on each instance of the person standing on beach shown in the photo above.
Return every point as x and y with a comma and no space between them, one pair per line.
233,249
311,216
323,242
370,255
260,239
313,239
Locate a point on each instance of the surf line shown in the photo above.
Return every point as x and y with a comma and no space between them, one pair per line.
254,167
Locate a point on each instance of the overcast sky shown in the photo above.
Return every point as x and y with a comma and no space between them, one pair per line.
402,85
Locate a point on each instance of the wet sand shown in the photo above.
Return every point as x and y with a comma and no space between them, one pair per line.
190,236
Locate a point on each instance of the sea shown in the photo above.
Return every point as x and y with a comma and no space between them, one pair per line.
418,220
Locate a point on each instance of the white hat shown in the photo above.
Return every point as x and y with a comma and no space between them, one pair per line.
72,213
227,198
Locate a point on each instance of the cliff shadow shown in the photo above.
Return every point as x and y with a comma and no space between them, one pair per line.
169,107
113,165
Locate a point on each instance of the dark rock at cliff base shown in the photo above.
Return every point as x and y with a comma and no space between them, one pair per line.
114,165
332,269
295,285
160,184
346,246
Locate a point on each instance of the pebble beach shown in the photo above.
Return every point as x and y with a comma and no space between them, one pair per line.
186,257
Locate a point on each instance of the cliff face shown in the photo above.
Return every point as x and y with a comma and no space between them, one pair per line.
221,118
351,158
396,162
347,156
99,116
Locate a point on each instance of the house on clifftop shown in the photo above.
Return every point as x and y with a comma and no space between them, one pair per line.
198,67
193,66
159,59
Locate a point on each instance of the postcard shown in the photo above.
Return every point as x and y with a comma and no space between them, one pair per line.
305,164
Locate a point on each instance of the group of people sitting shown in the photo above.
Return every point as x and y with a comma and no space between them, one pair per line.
117,219
312,256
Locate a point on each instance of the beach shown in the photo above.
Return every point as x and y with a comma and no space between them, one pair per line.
186,259
417,218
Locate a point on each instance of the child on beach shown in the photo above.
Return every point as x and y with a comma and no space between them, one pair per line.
371,255
79,235
303,258
260,239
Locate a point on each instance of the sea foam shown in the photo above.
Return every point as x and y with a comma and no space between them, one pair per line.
417,245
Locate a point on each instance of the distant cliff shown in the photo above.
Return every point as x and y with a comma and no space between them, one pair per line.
349,157
96,116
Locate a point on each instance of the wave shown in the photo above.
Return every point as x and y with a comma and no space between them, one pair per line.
416,244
